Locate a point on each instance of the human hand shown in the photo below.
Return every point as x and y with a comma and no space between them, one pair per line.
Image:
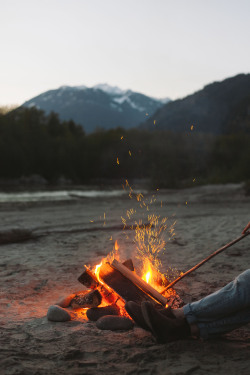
246,228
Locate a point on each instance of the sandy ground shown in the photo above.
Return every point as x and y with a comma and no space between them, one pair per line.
35,273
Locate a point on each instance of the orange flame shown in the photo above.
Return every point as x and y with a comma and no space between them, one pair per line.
148,277
116,246
97,271
147,271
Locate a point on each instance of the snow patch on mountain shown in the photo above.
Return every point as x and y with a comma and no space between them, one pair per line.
126,98
111,90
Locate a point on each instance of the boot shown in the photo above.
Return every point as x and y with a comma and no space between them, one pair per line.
134,311
162,327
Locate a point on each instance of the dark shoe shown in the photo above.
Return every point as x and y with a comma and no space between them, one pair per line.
134,311
168,312
163,328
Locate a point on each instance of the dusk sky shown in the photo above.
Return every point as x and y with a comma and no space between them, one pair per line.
162,48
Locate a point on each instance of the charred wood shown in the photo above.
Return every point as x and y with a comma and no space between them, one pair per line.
88,279
86,298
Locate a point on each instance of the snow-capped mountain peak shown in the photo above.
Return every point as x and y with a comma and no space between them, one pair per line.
111,90
101,106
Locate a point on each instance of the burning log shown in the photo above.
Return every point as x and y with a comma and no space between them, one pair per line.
88,279
136,280
124,286
87,298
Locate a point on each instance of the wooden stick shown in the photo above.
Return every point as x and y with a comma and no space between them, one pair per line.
205,260
139,282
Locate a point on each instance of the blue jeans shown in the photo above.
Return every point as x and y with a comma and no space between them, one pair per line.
222,311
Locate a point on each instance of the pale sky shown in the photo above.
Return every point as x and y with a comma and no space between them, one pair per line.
162,48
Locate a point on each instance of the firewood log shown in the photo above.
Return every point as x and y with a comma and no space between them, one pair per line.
86,298
122,285
135,279
88,279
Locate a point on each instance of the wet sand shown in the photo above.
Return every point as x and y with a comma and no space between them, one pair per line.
35,273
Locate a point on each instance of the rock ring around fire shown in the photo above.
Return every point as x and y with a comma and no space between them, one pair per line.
96,313
58,314
114,323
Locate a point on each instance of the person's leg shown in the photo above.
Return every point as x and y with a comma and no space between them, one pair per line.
229,323
227,301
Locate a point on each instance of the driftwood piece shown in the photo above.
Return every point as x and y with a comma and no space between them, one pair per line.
136,280
86,298
122,285
16,235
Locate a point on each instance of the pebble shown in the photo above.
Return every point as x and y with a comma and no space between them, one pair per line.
114,323
58,314
96,313
65,301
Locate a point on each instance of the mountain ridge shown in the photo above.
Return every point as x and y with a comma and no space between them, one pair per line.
209,110
100,106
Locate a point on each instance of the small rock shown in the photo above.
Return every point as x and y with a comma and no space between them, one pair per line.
114,323
96,313
65,301
58,314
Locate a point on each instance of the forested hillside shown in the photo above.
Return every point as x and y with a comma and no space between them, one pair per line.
33,143
213,110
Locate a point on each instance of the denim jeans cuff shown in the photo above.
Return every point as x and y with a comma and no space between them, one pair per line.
189,315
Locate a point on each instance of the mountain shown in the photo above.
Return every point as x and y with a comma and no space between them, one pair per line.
101,106
211,110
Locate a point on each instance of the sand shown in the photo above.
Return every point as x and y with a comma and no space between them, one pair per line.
36,272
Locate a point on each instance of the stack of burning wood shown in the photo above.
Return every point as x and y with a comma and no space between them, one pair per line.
112,284
108,288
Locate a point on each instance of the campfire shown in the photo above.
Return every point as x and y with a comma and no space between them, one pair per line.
113,282
109,285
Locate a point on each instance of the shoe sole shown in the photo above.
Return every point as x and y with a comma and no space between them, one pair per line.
136,320
146,317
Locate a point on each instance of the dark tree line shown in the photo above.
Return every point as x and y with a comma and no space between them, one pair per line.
32,143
